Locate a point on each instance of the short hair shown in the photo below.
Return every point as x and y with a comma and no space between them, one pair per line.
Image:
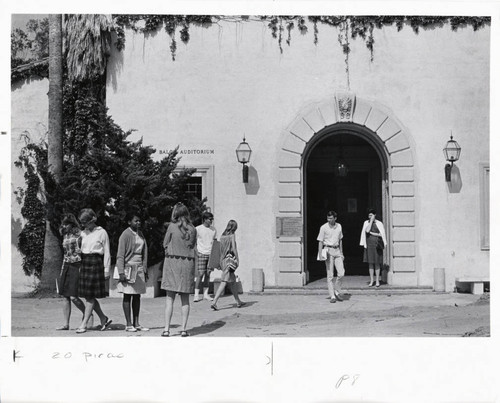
69,219
131,214
331,213
372,211
206,215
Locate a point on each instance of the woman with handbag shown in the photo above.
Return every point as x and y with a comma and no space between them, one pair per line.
131,267
70,271
228,263
179,265
374,241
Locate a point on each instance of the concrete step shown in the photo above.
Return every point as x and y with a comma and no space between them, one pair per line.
355,290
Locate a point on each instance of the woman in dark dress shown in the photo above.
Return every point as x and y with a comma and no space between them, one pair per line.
374,241
70,271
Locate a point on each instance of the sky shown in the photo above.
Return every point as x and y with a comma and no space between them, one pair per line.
20,20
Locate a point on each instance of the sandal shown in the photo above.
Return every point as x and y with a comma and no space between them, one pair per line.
165,333
240,304
371,284
65,327
214,307
377,285
81,330
184,334
108,322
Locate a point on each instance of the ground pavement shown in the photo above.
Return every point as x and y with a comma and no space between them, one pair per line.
375,314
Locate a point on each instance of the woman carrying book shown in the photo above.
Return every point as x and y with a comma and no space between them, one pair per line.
131,265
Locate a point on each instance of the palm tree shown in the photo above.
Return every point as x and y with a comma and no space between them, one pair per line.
52,250
87,43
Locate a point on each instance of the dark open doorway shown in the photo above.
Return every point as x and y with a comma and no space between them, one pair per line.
350,196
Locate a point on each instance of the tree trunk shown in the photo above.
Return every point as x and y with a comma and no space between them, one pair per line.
52,251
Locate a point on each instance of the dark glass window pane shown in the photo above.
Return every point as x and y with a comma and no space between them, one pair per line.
194,187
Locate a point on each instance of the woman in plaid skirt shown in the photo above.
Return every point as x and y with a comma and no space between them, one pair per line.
95,268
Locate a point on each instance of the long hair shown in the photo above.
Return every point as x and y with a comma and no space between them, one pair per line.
181,217
230,228
69,219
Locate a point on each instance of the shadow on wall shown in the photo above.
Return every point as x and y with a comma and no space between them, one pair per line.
18,84
455,185
115,66
253,185
15,228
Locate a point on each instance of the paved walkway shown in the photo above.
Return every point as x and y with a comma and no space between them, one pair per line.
429,314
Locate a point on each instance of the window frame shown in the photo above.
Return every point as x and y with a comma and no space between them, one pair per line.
484,204
206,172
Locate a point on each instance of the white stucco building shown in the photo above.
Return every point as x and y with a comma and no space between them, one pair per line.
299,115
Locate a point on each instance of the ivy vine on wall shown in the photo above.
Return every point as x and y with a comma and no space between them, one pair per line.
281,27
352,26
32,236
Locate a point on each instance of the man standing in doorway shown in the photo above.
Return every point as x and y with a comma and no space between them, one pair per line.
330,237
205,236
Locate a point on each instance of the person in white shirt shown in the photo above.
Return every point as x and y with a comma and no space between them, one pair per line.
94,269
330,237
205,236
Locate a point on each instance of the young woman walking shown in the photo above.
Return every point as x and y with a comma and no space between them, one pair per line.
229,254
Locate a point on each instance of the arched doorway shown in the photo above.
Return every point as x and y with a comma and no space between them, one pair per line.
376,125
350,193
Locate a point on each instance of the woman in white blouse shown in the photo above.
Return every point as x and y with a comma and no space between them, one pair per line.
94,269
374,241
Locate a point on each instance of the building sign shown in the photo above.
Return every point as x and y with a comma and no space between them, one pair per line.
191,151
289,226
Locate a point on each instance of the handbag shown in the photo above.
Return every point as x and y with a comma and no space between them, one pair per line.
214,259
231,261
380,244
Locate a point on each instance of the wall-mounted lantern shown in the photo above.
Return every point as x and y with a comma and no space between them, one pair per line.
243,153
452,154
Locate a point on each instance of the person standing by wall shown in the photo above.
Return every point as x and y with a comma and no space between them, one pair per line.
330,237
205,236
70,271
133,255
374,241
178,268
229,261
95,268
